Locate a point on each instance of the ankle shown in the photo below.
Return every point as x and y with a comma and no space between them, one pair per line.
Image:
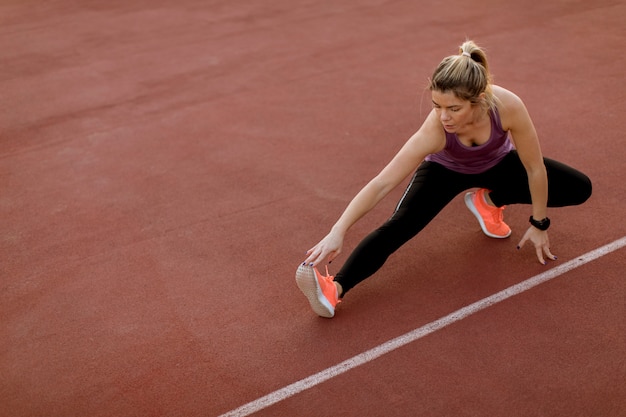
339,289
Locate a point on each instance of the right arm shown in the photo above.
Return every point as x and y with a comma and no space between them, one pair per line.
430,138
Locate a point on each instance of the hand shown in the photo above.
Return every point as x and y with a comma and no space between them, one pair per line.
540,240
328,248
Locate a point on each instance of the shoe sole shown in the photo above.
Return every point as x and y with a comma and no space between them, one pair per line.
470,205
307,282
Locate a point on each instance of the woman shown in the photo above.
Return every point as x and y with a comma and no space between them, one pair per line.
478,135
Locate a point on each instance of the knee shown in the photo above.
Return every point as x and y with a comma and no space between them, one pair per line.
580,190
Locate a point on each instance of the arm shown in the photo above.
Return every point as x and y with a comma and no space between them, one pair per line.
428,139
517,120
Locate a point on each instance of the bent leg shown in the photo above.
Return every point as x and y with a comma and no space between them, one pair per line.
566,185
509,183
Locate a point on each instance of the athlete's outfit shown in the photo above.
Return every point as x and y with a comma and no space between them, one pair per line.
495,165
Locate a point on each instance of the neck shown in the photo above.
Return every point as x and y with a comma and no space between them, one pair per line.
480,114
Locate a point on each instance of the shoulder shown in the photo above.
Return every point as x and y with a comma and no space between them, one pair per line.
506,99
430,138
432,133
510,107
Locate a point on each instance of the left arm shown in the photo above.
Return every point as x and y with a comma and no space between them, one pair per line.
517,120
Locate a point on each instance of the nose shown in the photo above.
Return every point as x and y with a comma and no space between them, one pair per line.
444,116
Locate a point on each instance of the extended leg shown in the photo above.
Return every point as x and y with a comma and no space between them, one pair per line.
430,190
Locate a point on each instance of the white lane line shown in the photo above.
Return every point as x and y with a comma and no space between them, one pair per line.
391,345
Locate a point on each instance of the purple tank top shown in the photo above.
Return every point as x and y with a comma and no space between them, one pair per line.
475,159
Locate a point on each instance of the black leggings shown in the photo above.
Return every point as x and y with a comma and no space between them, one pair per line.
434,186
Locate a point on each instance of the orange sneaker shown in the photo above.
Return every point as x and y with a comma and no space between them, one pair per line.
491,218
319,290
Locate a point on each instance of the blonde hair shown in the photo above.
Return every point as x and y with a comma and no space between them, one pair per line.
466,75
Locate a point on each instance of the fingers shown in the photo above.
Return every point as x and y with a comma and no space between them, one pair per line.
525,239
328,248
539,251
546,250
543,248
317,255
549,254
332,256
314,257
541,243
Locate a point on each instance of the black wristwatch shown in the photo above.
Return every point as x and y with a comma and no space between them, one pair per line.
540,224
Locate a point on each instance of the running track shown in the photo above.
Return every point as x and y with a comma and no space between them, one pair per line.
164,166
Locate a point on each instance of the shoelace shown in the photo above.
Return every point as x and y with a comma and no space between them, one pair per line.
327,273
330,279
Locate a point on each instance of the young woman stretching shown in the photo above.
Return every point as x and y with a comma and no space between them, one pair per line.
478,135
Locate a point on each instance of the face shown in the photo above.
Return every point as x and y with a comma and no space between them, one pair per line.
454,113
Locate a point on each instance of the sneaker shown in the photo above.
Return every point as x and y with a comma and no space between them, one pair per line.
319,290
491,218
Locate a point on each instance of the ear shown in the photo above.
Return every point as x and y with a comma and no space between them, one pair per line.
482,99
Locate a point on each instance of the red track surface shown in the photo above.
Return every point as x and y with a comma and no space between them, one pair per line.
165,165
